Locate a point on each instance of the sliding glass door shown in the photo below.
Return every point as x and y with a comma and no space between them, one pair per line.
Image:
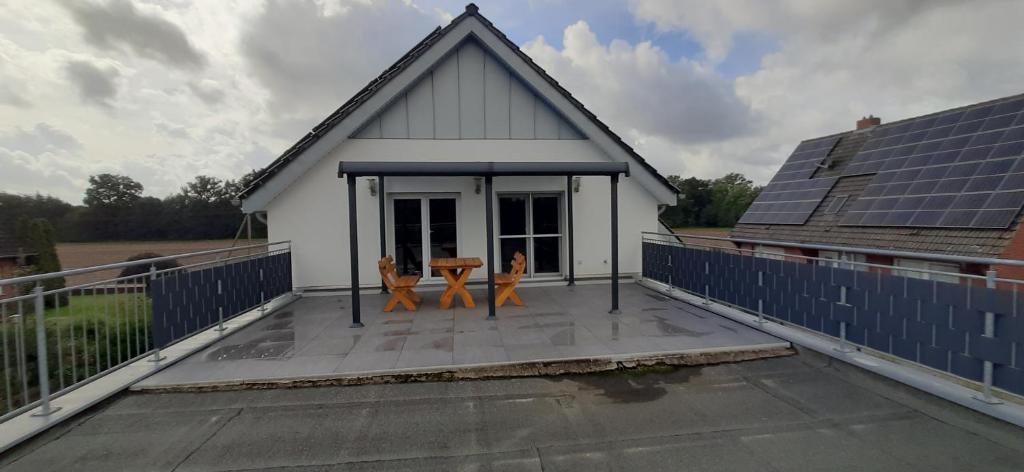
424,227
531,223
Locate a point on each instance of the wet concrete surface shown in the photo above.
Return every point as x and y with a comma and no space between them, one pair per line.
313,337
798,413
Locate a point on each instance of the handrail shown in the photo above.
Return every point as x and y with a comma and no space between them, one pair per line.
853,249
119,265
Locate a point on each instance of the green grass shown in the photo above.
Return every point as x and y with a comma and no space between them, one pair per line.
123,305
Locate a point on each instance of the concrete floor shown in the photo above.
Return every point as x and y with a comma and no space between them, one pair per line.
784,414
312,337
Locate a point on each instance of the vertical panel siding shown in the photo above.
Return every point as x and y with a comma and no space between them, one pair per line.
446,98
470,94
496,98
471,91
521,111
420,104
394,122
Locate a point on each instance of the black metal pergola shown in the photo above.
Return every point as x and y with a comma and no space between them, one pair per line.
487,170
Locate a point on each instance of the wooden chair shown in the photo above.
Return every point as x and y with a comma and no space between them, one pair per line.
401,287
507,282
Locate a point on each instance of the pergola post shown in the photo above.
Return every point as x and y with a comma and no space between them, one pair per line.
568,217
615,244
353,244
489,215
383,227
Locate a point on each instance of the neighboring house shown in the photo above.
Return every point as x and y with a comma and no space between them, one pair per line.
950,182
464,93
12,256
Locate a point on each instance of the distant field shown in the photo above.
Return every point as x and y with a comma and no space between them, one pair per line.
718,232
75,255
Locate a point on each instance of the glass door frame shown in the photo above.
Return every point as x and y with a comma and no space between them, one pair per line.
424,198
531,253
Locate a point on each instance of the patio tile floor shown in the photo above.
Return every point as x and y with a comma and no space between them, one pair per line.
312,337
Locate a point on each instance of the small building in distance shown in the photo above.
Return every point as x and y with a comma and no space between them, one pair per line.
950,182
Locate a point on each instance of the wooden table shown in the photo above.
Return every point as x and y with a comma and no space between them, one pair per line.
456,271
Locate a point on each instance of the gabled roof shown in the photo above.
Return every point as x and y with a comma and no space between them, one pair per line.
406,63
9,245
853,162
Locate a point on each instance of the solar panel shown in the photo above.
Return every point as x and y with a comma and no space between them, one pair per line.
806,158
788,203
962,168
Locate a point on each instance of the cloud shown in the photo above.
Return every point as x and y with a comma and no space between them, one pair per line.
95,84
208,91
838,61
311,57
638,89
42,138
9,97
118,25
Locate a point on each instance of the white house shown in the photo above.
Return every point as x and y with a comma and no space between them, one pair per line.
463,94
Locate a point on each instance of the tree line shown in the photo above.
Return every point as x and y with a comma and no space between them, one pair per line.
115,208
710,202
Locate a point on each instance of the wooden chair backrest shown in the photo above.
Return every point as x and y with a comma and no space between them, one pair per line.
388,272
518,266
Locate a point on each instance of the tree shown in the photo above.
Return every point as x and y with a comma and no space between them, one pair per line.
112,191
694,195
731,195
205,189
39,239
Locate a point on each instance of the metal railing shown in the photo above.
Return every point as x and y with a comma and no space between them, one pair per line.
967,325
56,338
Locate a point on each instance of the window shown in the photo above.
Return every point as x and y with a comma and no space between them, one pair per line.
837,204
531,223
918,264
770,252
831,256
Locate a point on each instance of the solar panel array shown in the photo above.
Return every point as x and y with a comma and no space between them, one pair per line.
960,169
788,203
805,160
791,196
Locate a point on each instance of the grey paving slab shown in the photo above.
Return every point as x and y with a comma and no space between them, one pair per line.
757,415
313,337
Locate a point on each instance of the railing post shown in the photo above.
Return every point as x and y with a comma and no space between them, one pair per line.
990,332
707,287
760,301
157,357
670,270
844,346
220,308
263,293
42,361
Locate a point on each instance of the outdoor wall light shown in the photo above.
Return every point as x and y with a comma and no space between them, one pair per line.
476,182
576,184
373,187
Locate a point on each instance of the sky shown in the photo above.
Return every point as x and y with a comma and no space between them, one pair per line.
164,90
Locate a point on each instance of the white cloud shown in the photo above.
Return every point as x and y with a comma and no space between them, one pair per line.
838,61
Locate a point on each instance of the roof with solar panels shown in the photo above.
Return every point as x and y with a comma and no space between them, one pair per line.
950,182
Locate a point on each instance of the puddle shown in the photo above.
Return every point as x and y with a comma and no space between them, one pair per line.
565,337
639,385
388,322
654,309
278,325
657,297
275,345
398,332
729,328
446,344
553,324
394,344
284,315
667,328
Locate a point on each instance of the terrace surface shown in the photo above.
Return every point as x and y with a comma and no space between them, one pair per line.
312,338
795,413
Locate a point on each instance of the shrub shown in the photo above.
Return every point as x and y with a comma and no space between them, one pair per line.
140,269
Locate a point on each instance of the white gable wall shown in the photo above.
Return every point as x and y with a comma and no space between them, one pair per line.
312,212
470,94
